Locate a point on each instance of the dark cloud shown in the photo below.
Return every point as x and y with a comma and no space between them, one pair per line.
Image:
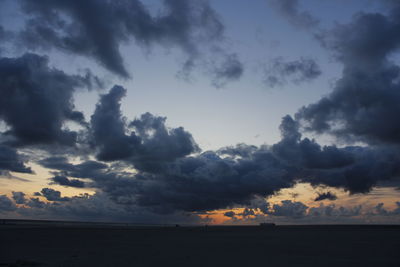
260,204
6,204
97,29
280,72
324,196
240,150
380,210
10,160
209,182
36,202
191,183
19,197
145,141
99,207
322,210
297,212
36,101
290,9
333,211
53,195
356,169
109,128
64,181
289,208
230,69
362,107
2,34
364,103
159,143
232,176
247,212
5,36
85,169
306,153
230,214
167,180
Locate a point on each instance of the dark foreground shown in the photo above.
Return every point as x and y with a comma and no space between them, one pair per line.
66,245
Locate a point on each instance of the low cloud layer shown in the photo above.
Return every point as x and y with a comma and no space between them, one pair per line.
172,176
97,207
288,211
220,179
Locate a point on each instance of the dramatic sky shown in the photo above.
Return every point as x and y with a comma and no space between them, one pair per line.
199,112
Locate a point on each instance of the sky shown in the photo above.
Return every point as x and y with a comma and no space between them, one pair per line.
200,112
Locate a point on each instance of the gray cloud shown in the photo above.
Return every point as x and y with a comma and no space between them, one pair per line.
62,180
290,9
197,183
97,29
306,153
99,207
19,197
6,204
288,208
247,212
356,169
2,34
230,69
280,72
109,127
333,211
10,160
324,196
230,214
288,211
35,101
149,142
363,105
53,195
36,202
380,210
82,170
235,175
5,36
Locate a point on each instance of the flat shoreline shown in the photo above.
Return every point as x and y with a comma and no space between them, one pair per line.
38,243
55,223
